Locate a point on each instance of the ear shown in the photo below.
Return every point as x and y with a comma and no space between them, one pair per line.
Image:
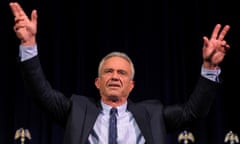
132,85
97,83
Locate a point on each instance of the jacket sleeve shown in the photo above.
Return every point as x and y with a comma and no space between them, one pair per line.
197,106
50,100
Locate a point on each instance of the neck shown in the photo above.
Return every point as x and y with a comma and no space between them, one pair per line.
114,101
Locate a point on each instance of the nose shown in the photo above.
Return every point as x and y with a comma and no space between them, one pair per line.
115,76
114,79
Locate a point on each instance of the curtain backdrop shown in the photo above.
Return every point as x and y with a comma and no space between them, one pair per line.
163,38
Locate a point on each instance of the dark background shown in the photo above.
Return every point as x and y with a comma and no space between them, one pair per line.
163,38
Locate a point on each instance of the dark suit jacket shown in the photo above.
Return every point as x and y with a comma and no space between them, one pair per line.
78,113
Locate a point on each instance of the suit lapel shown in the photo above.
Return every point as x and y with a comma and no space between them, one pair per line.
142,118
91,116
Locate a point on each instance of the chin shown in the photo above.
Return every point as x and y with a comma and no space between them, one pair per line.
113,98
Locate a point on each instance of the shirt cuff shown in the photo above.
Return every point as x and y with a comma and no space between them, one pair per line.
27,52
212,75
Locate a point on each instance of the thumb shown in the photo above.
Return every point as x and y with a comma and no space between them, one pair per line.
34,16
205,41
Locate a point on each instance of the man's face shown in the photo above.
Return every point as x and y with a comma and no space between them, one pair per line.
115,80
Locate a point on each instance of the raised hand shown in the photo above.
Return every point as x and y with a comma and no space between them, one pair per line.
25,28
215,48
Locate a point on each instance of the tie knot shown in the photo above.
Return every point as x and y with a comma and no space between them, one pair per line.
113,111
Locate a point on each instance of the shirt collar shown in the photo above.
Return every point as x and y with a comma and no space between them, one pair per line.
121,109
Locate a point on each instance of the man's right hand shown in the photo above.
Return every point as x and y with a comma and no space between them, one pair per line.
25,28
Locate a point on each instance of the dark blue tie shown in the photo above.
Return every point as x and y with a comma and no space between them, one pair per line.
113,126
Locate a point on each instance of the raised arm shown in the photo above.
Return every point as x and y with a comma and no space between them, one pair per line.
25,28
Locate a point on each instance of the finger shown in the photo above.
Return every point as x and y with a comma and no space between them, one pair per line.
222,49
227,46
205,41
21,24
218,57
223,32
215,31
17,28
14,8
17,9
224,44
34,16
19,19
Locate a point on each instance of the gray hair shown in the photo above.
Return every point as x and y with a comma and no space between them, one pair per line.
117,54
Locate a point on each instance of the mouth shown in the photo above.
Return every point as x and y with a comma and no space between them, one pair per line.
114,85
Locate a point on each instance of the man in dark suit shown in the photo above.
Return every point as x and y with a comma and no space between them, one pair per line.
86,120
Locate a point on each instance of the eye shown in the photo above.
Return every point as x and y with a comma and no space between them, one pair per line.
122,72
108,70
